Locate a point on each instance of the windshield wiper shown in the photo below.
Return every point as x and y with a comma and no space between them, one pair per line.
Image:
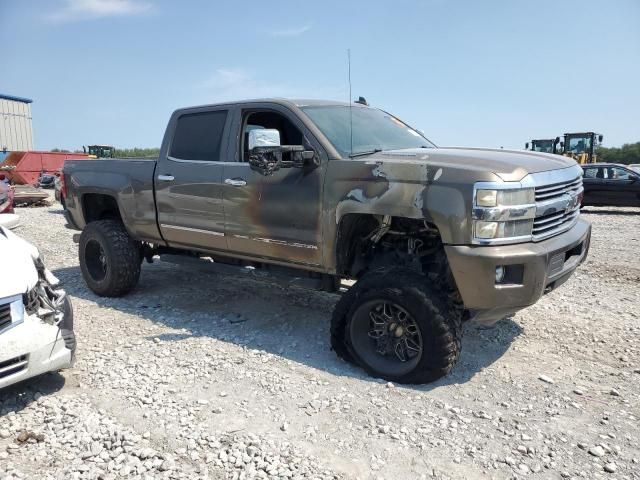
368,152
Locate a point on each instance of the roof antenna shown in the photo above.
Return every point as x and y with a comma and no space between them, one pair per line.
350,112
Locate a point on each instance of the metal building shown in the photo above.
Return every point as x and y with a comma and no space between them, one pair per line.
16,131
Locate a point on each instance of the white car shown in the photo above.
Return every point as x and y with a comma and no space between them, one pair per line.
36,317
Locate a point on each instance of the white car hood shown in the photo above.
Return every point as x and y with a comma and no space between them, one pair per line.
19,274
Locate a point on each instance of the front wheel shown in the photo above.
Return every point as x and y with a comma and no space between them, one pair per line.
398,327
109,258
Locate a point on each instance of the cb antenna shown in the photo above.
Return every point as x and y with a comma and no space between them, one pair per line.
350,112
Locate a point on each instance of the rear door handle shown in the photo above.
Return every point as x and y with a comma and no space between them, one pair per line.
235,182
166,178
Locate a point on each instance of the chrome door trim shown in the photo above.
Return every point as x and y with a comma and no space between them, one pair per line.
189,229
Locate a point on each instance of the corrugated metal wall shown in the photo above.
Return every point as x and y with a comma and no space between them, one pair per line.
16,131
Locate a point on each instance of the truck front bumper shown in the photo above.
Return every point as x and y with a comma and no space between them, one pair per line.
533,270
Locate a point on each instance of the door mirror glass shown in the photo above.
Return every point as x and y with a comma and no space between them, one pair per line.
263,137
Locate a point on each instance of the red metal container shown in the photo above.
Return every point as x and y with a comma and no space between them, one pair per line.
24,168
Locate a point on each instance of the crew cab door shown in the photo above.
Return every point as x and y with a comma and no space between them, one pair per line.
275,216
188,179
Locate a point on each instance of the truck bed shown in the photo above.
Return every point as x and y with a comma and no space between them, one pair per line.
128,180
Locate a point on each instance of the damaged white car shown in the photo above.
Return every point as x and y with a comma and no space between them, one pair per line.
36,317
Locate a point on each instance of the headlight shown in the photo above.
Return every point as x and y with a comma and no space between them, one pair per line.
495,198
486,198
502,213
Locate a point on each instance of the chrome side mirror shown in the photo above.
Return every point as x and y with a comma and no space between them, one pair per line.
264,137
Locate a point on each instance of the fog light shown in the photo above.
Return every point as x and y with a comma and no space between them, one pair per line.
500,271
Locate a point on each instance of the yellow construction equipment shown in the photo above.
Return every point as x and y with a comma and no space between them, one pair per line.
99,151
581,146
546,145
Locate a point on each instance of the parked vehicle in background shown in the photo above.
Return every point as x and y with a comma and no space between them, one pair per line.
610,184
36,317
8,218
58,192
46,180
6,197
332,191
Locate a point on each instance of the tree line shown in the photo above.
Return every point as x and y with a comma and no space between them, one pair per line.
121,152
626,154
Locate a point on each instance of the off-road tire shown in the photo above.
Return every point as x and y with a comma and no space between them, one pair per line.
435,312
122,258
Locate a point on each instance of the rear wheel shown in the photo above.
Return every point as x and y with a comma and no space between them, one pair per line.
397,327
109,258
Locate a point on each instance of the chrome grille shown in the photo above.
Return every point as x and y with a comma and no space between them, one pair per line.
5,315
557,207
549,192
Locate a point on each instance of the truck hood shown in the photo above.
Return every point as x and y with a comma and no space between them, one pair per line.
509,165
19,274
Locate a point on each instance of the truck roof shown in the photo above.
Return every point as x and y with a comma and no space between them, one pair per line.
299,102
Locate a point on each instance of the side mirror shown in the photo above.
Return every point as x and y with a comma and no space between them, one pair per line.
264,137
600,137
526,146
556,141
266,155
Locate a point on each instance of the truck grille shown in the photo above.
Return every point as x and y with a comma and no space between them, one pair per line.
557,207
549,192
13,366
5,315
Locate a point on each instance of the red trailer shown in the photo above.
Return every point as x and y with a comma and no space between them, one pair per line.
24,168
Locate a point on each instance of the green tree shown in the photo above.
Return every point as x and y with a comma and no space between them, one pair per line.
136,152
628,153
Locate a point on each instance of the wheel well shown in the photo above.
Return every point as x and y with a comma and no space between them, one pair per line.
367,243
370,241
96,206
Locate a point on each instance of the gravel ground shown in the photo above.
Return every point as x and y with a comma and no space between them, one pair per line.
202,375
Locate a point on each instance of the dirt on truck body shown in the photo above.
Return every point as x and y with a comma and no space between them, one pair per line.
432,236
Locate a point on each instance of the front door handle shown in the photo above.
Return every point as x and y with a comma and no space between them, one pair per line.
235,182
166,178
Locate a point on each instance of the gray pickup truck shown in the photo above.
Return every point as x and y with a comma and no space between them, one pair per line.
427,237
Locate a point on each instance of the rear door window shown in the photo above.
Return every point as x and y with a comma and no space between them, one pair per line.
198,136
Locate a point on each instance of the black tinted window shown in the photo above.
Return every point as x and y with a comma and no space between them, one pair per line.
198,136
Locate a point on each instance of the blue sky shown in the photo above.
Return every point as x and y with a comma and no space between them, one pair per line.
482,73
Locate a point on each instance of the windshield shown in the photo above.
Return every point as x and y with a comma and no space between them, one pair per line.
373,129
579,144
545,146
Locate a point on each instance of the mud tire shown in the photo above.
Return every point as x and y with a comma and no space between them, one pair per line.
436,314
121,256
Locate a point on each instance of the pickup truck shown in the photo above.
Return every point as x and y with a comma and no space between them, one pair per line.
422,238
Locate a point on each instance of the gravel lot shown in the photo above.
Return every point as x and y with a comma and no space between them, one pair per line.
202,375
